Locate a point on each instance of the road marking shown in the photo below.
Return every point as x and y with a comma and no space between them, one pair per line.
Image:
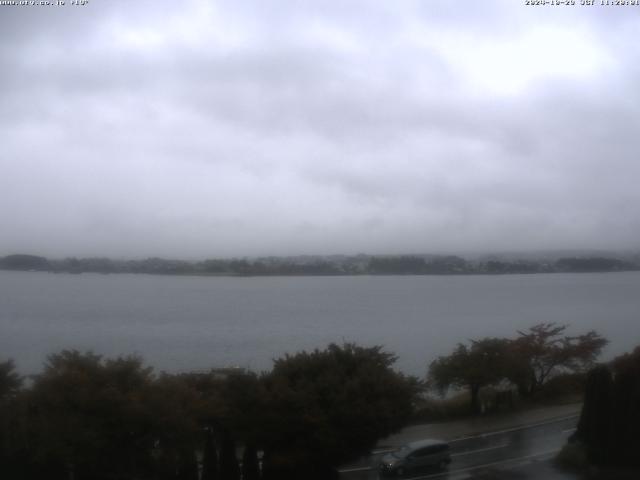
515,429
386,450
487,465
497,432
568,430
357,469
471,452
461,454
466,469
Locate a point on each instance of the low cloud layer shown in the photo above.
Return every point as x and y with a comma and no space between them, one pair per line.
199,128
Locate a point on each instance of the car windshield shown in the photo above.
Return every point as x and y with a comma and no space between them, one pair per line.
402,451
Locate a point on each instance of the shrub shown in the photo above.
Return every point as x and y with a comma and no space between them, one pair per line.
573,456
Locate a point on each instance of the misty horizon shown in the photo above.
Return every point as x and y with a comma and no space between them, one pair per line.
218,129
467,255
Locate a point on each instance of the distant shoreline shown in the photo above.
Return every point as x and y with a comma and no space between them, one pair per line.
324,266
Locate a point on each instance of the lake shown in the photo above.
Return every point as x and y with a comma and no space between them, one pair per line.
195,323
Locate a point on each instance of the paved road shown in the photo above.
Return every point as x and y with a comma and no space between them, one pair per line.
474,455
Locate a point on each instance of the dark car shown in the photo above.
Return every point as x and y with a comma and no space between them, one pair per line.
416,456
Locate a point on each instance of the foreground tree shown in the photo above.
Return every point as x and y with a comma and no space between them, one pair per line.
250,463
87,417
209,457
610,418
626,409
482,363
93,418
544,350
11,421
229,468
595,424
331,406
171,406
10,381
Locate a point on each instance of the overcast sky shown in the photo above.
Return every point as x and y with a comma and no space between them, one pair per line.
198,129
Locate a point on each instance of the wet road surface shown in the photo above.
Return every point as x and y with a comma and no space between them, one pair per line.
487,455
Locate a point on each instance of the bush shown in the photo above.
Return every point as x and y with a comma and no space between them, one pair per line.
430,409
573,456
331,406
568,386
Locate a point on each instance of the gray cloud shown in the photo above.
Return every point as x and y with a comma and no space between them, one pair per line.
229,128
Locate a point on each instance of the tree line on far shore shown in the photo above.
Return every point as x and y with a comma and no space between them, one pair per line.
85,417
321,265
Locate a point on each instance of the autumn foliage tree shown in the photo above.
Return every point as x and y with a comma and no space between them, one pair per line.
544,350
481,363
529,361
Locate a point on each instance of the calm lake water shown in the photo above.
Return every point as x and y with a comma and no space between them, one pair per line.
185,323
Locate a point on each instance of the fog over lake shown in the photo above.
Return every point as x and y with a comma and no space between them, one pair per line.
213,129
220,129
187,323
